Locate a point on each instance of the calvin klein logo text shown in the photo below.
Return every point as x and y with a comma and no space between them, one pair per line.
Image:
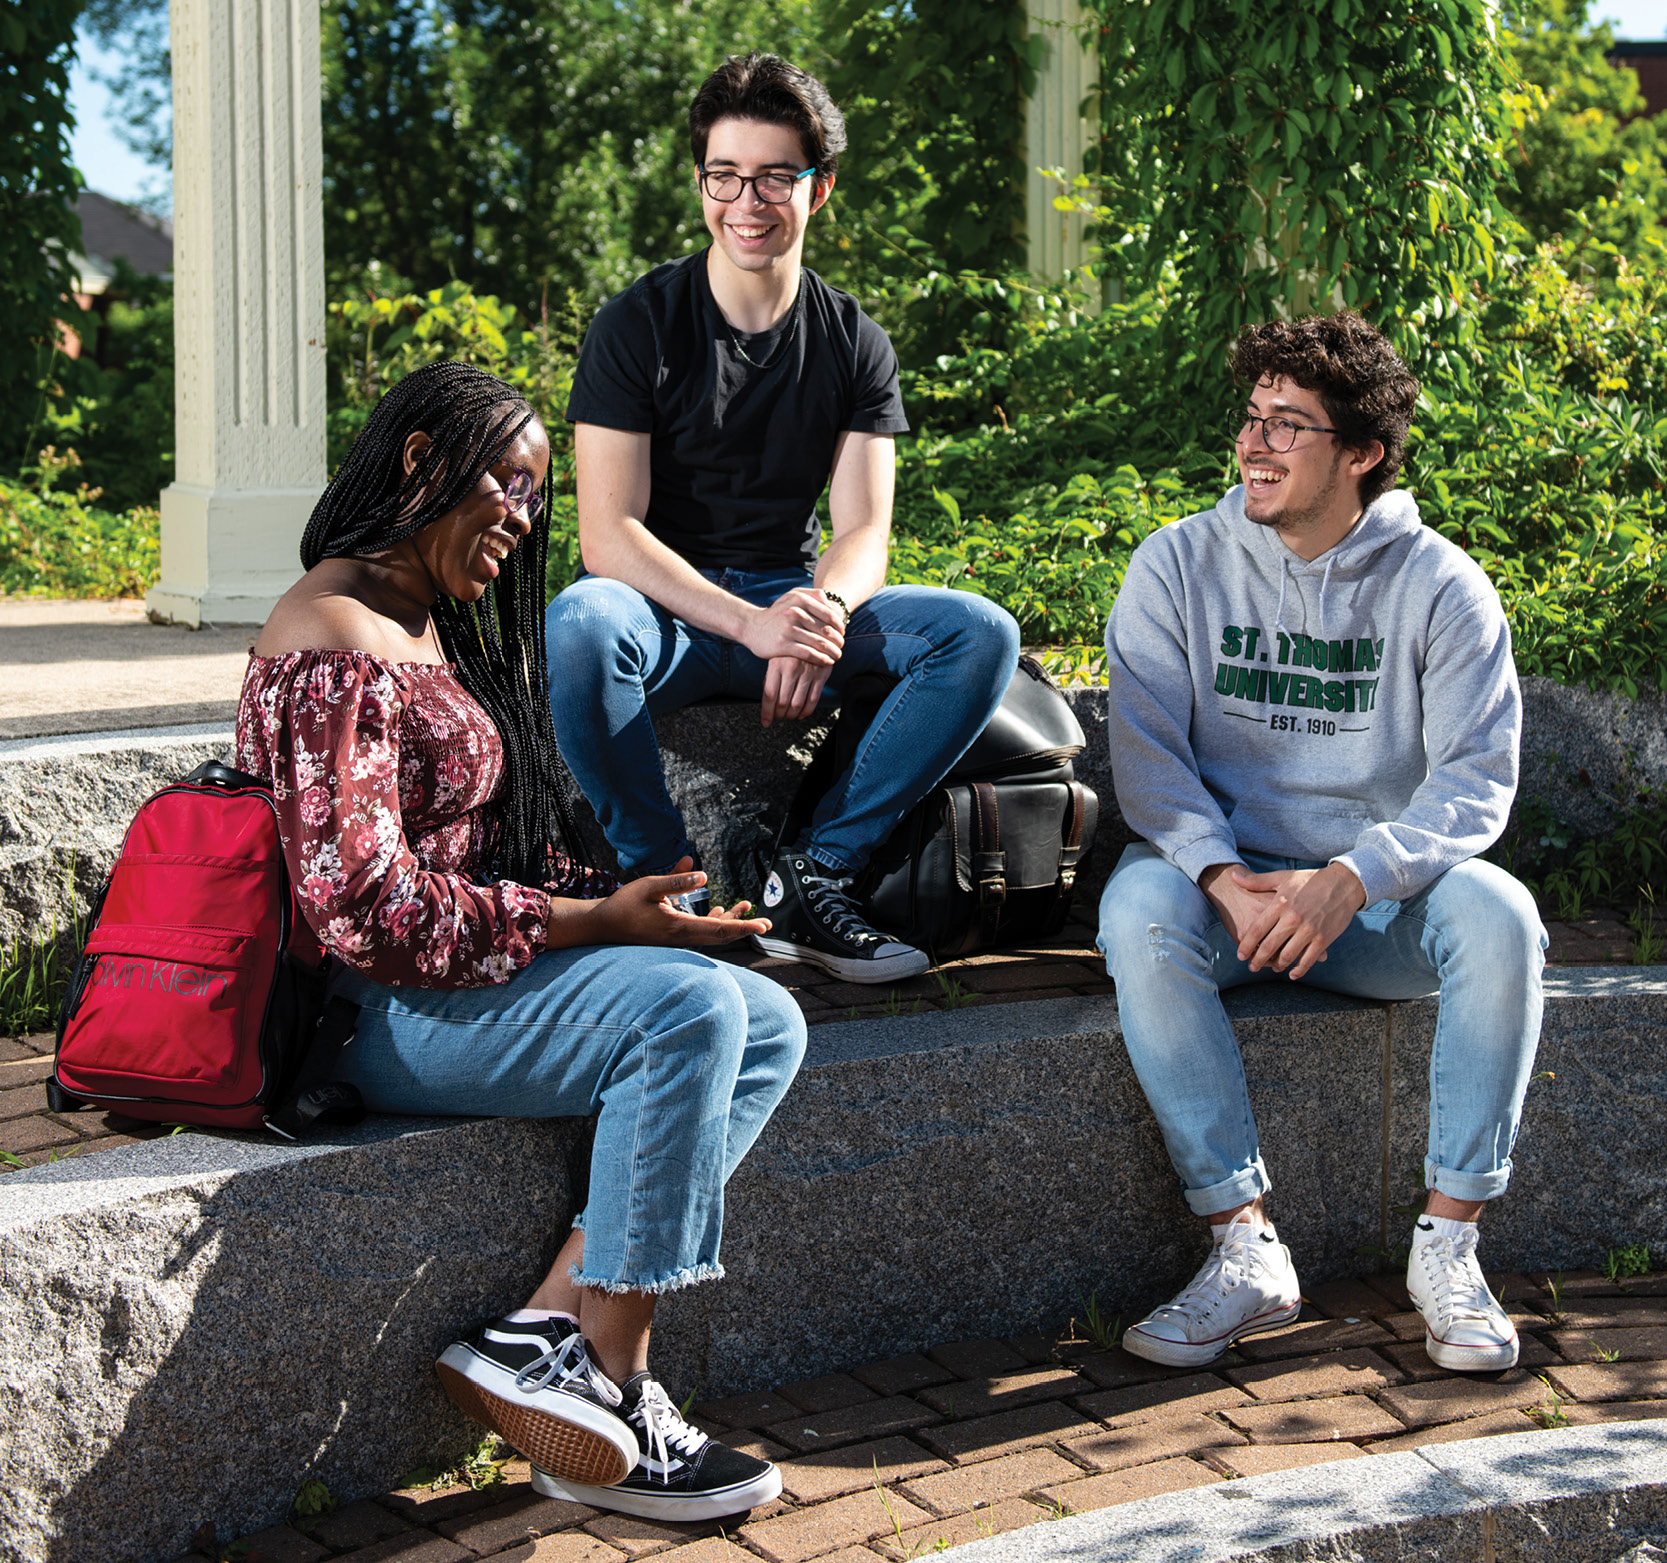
121,971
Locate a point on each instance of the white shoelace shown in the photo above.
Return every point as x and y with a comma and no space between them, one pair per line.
831,900
563,1364
1227,1268
665,1429
1450,1268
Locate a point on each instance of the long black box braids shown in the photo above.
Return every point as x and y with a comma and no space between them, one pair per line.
497,643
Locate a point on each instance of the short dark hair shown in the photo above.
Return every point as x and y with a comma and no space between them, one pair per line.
766,88
1367,392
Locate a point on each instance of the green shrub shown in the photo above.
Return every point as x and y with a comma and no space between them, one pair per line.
56,542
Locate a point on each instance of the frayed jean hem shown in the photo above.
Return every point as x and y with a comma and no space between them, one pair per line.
1239,1189
1466,1185
691,1275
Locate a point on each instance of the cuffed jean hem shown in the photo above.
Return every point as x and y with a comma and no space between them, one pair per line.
1239,1189
1466,1185
691,1275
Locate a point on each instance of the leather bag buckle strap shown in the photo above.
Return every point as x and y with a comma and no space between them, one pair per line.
989,862
1070,850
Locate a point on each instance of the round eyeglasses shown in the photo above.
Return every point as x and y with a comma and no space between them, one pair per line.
1279,433
523,493
774,189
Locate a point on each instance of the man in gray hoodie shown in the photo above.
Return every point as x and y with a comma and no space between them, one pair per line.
1314,721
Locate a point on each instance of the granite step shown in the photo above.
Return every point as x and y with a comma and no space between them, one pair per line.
197,1325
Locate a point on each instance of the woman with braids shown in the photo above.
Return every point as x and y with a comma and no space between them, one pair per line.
396,698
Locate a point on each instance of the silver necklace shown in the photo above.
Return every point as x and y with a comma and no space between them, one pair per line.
782,346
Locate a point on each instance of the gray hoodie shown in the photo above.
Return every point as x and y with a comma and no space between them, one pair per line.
1359,708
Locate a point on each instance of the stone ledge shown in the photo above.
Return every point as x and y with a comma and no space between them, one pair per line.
70,799
194,1326
1579,1495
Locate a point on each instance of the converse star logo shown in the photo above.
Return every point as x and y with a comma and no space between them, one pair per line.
773,891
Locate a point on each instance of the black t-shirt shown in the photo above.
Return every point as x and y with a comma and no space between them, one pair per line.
739,454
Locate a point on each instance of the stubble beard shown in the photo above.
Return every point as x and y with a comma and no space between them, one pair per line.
1310,517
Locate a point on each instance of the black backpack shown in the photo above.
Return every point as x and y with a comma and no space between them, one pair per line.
990,856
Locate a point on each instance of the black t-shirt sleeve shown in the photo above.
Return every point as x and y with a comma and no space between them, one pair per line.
876,403
613,384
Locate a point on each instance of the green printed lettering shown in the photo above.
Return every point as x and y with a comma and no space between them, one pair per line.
1262,685
1297,695
1316,693
1224,678
1231,641
1380,652
1368,694
1365,659
1342,657
1251,636
1284,647
1245,687
1321,660
1334,695
1277,686
1302,652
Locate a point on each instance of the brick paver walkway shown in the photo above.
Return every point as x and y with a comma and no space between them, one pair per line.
1065,966
897,1459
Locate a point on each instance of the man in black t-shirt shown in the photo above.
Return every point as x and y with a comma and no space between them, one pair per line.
715,400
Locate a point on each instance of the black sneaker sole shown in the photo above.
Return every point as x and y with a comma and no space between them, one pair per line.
664,1506
894,968
584,1443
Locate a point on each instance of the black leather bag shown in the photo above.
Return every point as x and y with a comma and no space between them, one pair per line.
990,856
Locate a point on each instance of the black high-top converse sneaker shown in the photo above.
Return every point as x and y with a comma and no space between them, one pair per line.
535,1386
814,917
680,1474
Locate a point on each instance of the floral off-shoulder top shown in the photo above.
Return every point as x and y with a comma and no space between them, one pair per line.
383,773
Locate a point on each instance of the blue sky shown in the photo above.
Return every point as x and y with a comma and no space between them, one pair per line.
112,170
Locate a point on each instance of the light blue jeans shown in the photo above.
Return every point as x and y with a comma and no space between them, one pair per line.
1474,937
682,1058
618,660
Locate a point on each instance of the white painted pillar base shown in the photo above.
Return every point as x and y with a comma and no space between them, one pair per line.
249,400
228,555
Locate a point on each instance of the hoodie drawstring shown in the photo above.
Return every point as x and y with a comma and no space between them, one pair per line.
1284,576
1325,581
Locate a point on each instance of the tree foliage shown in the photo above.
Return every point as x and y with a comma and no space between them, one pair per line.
38,227
141,83
1587,164
528,147
1279,155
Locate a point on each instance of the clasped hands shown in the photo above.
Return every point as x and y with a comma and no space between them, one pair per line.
1286,918
801,636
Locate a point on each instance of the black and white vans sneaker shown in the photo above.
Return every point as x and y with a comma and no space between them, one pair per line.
814,917
535,1386
680,1473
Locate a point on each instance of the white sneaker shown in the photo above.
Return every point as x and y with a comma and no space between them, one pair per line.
1464,1326
1247,1285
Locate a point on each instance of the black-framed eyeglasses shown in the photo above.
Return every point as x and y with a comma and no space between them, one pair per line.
774,189
1279,433
522,491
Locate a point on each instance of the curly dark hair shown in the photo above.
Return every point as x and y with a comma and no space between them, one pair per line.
1367,392
766,88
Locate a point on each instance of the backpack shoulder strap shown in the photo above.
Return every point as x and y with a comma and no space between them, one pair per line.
314,1097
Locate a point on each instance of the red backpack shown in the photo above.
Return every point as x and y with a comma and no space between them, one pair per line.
200,993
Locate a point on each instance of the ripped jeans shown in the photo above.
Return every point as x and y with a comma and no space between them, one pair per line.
1474,936
681,1057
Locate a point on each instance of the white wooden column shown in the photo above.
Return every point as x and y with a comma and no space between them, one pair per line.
1056,134
248,307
